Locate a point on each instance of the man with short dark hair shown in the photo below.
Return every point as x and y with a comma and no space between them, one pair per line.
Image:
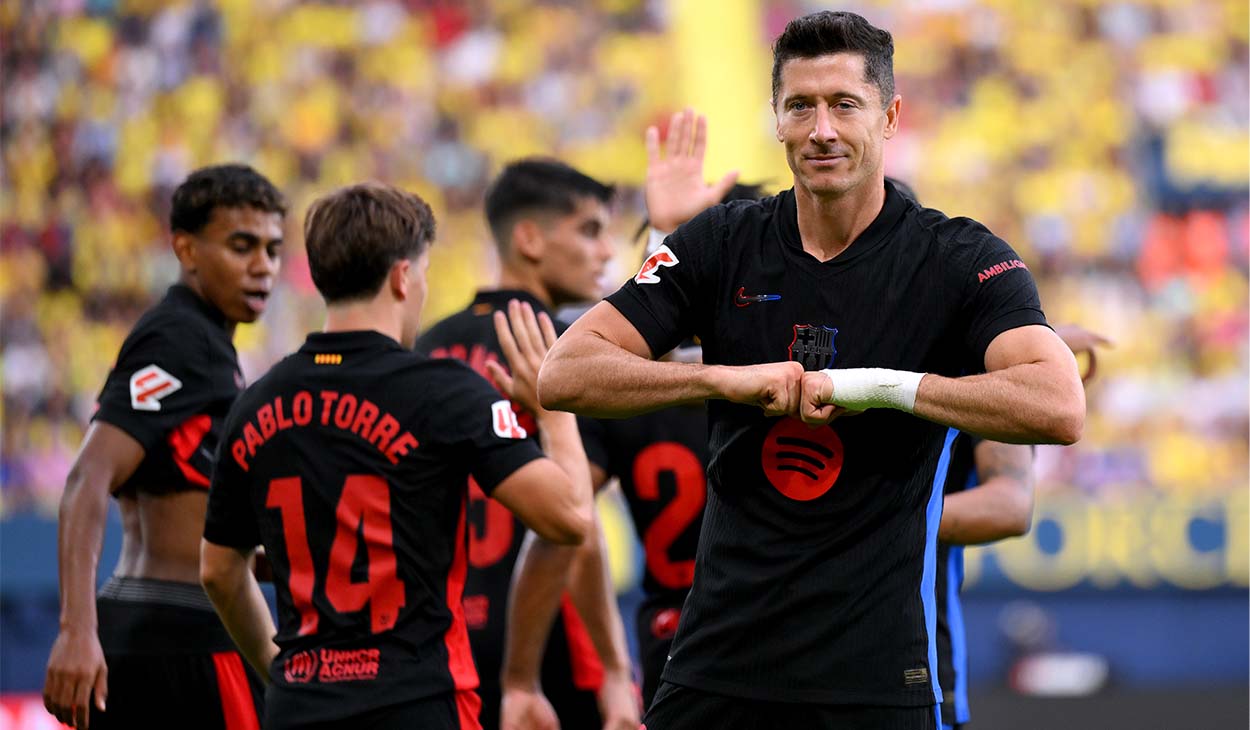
150,641
350,462
549,222
813,597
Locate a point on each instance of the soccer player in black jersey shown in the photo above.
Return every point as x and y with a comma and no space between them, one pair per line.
350,462
988,497
813,597
150,642
549,222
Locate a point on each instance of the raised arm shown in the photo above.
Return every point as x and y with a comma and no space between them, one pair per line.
602,367
1000,506
76,667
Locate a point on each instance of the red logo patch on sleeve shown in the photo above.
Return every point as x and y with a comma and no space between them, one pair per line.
997,269
649,273
149,385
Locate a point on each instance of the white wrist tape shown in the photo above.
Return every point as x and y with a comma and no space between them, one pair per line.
859,389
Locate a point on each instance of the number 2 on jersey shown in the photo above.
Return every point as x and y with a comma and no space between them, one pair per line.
687,504
364,508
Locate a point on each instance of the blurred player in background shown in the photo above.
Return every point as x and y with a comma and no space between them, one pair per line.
550,224
988,497
149,643
350,462
813,605
660,458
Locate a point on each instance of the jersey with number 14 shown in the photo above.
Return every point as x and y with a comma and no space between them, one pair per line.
349,462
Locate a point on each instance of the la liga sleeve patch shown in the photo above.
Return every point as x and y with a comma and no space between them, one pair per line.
650,271
148,385
505,421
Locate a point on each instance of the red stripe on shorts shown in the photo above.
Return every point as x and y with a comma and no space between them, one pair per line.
468,709
237,706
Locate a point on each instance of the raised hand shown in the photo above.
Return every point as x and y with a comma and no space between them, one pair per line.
524,339
675,190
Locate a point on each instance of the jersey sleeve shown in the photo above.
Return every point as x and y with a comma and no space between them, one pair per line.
231,519
479,427
999,295
670,297
159,382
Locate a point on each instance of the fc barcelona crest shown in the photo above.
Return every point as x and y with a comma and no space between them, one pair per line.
812,346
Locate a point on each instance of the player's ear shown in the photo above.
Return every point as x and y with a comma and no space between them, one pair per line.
184,248
397,279
527,239
891,116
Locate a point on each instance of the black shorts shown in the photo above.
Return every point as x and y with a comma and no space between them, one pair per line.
170,661
682,708
449,711
656,623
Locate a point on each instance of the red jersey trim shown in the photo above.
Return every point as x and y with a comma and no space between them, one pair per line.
459,655
184,440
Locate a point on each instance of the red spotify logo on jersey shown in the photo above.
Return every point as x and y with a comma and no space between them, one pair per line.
800,462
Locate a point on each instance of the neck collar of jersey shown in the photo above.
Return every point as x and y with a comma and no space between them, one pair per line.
498,299
874,235
348,340
184,295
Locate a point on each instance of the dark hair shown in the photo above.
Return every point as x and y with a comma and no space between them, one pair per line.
221,186
537,185
828,32
739,191
355,234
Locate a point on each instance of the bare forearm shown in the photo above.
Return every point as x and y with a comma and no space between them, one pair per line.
80,534
994,510
595,599
588,375
244,613
539,580
1022,404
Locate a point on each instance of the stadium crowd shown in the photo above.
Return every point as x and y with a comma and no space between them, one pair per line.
1109,145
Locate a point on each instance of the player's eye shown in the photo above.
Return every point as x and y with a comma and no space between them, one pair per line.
798,106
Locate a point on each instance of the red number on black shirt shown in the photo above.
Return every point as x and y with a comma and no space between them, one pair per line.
493,542
364,508
687,504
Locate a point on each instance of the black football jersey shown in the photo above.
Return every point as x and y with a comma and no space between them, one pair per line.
570,663
174,381
660,459
349,461
815,575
